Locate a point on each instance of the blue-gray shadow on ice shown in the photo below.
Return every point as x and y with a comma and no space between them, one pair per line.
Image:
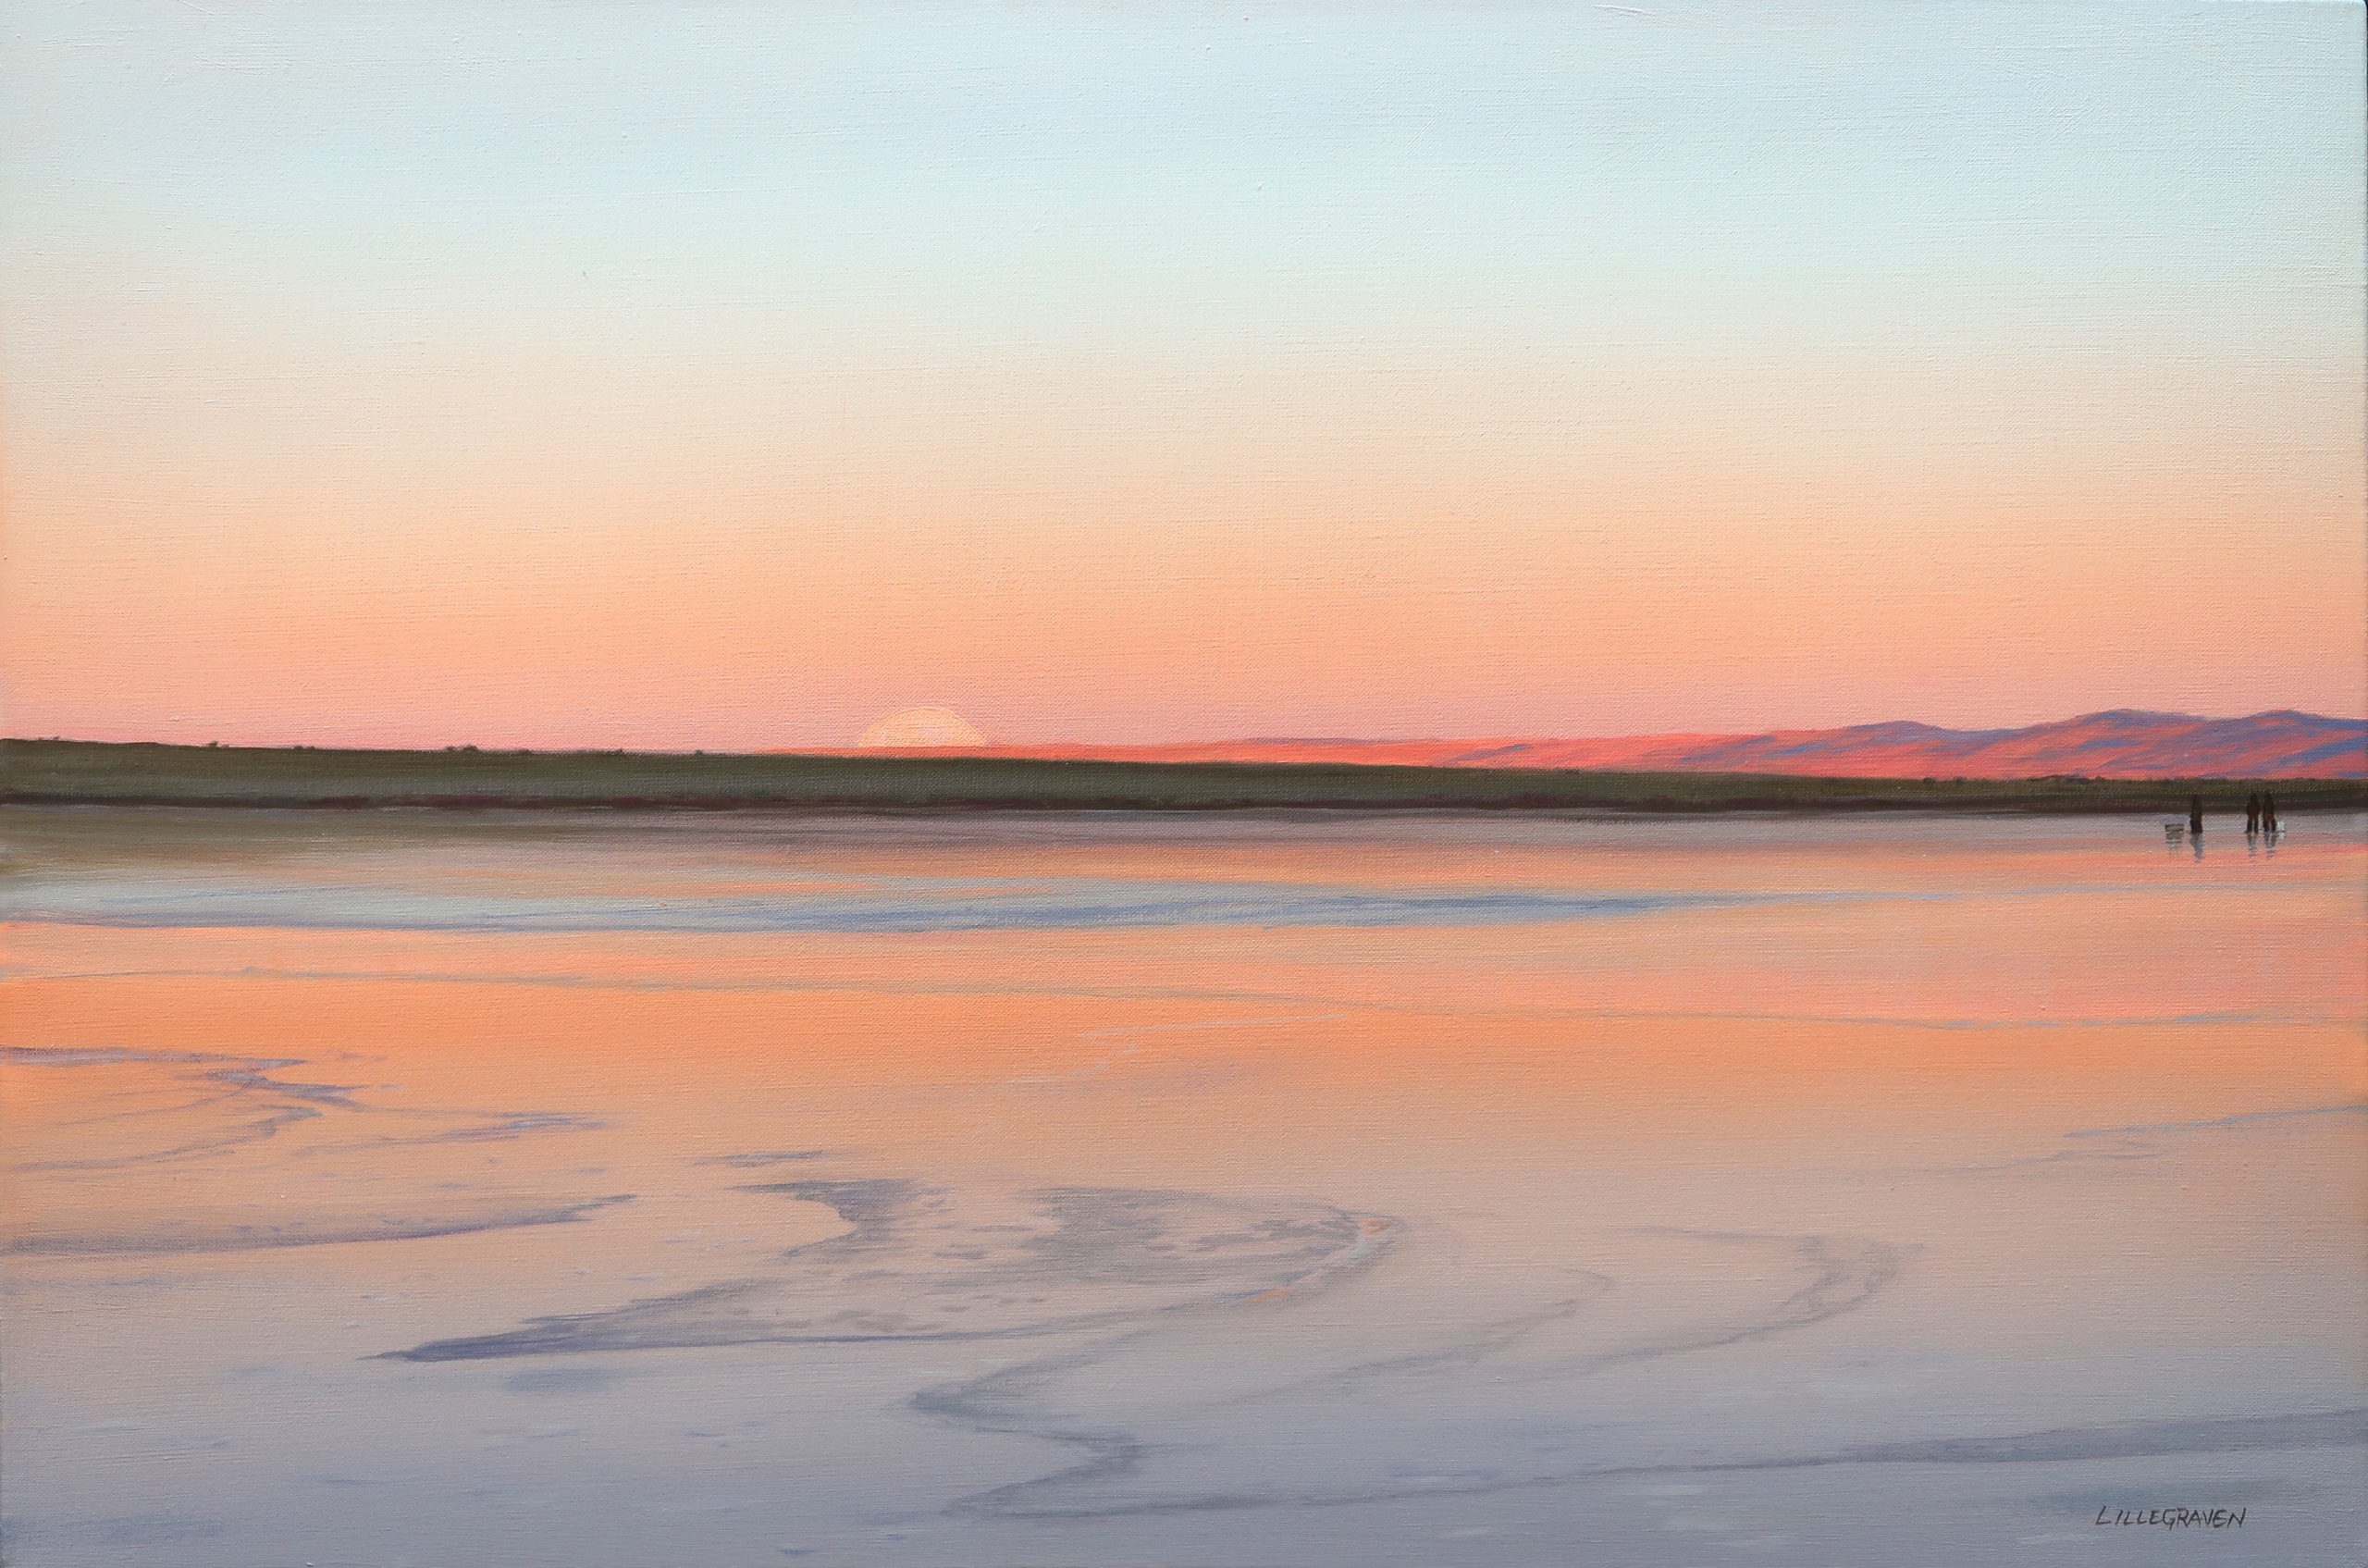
900,906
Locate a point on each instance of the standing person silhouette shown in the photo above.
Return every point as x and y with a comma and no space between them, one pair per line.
2252,812
2268,812
2195,816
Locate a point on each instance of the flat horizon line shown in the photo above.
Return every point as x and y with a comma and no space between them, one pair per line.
472,779
1053,748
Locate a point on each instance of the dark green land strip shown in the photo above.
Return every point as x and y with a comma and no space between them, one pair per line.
80,773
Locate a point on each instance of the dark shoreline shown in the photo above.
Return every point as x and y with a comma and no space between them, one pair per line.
96,774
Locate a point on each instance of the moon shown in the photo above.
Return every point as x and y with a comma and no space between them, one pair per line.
921,729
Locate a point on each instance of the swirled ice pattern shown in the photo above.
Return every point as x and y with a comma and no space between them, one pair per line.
395,1188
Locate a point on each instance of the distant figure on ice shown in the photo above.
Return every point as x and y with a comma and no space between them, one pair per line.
2195,816
2268,812
2252,812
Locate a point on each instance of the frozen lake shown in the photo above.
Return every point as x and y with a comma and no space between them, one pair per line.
397,1188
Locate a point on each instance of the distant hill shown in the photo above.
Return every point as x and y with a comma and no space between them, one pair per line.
2122,744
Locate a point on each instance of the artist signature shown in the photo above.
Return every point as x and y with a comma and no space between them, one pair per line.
2174,1518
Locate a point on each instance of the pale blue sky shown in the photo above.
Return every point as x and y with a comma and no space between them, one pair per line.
463,250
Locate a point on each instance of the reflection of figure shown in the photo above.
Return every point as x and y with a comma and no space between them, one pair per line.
2268,812
2195,815
2252,812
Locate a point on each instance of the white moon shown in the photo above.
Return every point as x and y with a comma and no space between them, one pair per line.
921,729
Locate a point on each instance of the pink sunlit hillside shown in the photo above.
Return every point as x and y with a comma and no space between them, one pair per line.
2122,743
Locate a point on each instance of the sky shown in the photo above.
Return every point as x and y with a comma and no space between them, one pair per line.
726,376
